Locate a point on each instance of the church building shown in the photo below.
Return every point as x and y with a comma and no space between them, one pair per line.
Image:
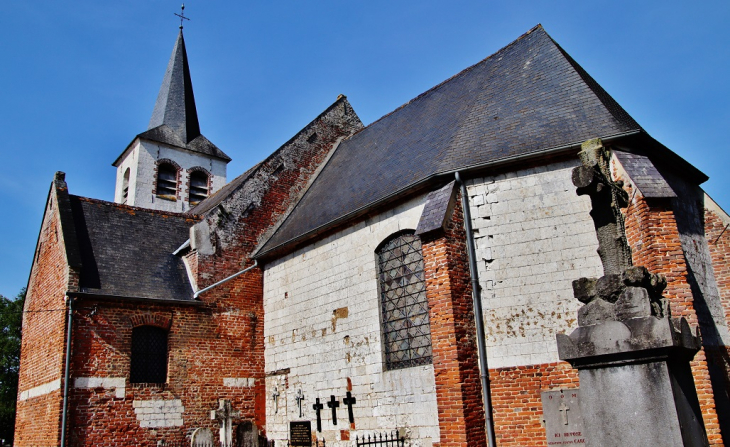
443,275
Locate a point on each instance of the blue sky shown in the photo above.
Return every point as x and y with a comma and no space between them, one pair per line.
79,79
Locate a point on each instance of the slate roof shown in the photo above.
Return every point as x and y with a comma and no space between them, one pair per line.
437,209
174,119
211,202
645,175
127,251
527,98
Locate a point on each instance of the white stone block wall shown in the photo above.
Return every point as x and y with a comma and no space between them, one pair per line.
322,322
159,413
142,159
534,236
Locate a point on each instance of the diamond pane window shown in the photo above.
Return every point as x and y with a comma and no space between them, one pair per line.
149,355
404,308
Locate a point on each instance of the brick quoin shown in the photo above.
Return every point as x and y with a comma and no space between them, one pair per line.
652,234
453,336
38,419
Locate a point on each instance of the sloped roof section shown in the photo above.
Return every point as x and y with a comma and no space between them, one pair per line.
527,98
645,175
127,251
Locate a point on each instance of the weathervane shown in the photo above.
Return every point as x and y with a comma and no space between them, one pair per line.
182,15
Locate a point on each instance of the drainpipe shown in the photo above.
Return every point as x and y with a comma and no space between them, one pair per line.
478,314
64,414
197,294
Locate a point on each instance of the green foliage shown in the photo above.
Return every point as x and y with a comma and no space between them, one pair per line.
11,318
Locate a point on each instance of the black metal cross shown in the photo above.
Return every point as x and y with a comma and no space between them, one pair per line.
182,15
350,401
318,407
333,404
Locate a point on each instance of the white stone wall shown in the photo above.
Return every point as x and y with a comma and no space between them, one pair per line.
142,158
534,236
159,413
322,323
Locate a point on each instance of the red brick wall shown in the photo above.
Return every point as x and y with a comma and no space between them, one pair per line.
453,341
206,345
651,230
718,239
42,356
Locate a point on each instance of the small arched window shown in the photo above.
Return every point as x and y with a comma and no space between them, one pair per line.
198,187
149,355
404,307
166,180
125,186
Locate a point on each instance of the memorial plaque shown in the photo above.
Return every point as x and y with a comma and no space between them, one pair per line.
300,433
562,415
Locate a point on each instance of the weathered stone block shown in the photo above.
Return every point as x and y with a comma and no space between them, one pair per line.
633,302
595,312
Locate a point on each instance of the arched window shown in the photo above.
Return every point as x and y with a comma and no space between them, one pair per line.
166,180
125,186
404,308
149,355
198,187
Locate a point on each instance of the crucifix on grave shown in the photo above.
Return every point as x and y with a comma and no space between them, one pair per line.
350,401
564,412
333,404
225,414
299,397
275,398
317,408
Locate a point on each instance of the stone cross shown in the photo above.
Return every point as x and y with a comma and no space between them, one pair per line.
333,404
299,397
350,401
275,398
593,178
225,414
564,412
318,407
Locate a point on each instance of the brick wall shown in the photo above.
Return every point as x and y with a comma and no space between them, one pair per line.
656,243
717,226
453,335
212,355
42,357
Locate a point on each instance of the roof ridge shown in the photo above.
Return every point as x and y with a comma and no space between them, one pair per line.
122,206
459,74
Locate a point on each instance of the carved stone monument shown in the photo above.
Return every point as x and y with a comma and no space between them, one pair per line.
633,357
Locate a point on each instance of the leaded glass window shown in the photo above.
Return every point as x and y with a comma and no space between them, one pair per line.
149,355
404,308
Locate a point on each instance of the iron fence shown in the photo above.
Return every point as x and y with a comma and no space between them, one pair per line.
389,440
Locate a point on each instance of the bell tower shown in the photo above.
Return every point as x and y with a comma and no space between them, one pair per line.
171,166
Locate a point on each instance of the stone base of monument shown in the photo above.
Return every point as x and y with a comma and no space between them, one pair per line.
633,361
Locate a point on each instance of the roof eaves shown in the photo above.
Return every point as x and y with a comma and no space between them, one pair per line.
265,252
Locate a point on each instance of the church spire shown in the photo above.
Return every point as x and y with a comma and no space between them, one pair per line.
175,104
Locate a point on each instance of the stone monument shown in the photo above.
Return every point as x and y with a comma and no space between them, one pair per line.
633,358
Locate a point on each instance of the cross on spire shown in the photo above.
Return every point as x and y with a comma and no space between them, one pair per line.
182,15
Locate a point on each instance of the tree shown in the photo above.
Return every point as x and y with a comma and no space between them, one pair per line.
11,318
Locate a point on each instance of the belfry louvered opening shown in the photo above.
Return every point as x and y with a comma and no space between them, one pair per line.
404,307
149,355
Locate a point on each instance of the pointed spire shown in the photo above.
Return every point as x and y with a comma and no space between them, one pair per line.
175,104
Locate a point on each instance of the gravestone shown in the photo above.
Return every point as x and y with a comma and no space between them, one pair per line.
202,437
300,433
247,435
632,356
563,419
225,415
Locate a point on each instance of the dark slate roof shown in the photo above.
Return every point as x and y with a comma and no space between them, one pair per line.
437,209
127,251
175,118
211,202
645,175
527,98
